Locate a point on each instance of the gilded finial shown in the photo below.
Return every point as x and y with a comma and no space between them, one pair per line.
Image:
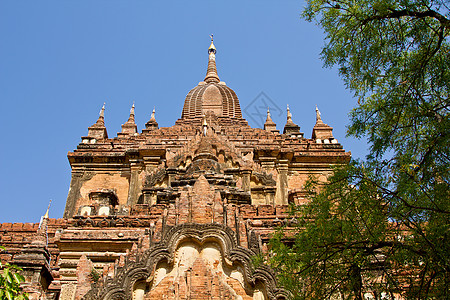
212,48
289,115
211,71
48,208
132,109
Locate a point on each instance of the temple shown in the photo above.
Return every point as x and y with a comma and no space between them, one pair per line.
175,212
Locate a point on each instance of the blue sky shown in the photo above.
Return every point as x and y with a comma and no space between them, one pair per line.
60,60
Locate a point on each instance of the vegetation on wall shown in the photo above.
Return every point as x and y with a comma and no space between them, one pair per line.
10,280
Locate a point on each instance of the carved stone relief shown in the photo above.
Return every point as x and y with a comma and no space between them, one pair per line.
192,260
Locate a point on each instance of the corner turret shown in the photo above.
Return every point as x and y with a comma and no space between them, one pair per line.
291,128
34,259
270,125
129,127
151,124
98,130
322,133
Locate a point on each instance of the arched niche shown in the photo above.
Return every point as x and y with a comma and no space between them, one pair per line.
198,271
195,260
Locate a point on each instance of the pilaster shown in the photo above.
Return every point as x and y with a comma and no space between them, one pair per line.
281,196
246,179
74,192
133,191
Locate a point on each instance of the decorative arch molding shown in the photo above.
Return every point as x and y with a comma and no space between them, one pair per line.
121,286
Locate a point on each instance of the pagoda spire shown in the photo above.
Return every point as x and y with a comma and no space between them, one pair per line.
151,124
41,237
130,126
152,117
98,130
270,125
291,128
322,133
48,208
34,259
269,118
211,72
101,116
318,116
289,116
131,118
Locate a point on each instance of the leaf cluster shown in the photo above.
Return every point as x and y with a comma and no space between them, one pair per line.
380,227
346,244
94,275
10,280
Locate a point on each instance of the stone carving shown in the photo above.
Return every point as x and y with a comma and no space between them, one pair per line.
155,177
264,178
143,268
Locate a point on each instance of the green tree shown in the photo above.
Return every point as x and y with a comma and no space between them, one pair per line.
380,227
10,280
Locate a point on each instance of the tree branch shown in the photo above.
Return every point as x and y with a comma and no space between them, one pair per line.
395,14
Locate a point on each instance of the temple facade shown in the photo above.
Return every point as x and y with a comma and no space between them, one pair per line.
176,212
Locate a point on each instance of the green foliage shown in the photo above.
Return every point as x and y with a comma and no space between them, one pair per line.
258,260
381,226
10,280
95,276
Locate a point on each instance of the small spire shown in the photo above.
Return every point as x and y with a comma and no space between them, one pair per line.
291,128
153,114
151,124
322,133
101,116
36,255
102,111
131,118
211,72
289,115
130,126
270,125
41,236
269,118
318,115
98,130
48,208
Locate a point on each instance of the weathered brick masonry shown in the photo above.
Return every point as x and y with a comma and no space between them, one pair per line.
177,212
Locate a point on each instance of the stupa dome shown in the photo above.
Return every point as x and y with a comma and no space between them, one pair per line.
211,95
